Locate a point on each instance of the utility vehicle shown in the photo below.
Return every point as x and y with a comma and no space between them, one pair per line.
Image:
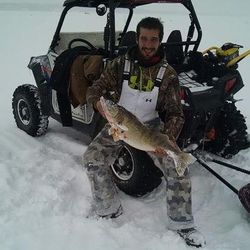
208,80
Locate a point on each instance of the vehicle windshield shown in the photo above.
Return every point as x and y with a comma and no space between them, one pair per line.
80,19
173,16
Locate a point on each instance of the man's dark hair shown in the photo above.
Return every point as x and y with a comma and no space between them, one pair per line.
150,23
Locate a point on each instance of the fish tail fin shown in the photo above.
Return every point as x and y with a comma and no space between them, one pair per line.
182,162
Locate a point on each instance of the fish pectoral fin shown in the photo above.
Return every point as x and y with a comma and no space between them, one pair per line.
182,161
116,137
117,133
112,130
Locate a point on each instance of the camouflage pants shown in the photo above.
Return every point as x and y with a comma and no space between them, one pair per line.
98,157
103,151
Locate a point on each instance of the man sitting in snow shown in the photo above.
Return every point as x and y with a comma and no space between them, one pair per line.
147,62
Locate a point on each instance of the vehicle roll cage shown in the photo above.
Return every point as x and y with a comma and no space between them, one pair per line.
109,29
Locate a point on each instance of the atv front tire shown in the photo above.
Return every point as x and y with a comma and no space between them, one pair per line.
134,172
231,132
26,106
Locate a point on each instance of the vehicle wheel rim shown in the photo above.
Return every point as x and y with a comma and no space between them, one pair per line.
123,167
23,112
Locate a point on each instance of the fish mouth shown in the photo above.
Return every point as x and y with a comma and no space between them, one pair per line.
106,101
110,105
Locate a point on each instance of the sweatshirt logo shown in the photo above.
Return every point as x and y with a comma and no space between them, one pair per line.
134,83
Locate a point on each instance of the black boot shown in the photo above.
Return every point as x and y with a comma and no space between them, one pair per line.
192,237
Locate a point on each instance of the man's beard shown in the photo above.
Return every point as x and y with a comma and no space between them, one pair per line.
147,53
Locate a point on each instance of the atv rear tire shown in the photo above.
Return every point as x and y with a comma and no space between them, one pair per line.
134,172
231,133
26,106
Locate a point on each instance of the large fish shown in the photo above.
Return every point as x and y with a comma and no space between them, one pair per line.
125,126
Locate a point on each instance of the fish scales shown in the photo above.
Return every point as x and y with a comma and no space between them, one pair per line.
141,133
125,126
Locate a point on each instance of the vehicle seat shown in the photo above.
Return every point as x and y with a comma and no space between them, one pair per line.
174,51
127,41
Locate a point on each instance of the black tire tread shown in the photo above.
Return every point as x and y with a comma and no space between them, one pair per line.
231,132
39,122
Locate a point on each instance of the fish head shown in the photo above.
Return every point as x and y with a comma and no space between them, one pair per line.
109,107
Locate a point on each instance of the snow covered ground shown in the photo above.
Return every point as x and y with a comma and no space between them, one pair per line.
44,193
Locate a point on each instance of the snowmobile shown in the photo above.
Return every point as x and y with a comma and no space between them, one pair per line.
209,80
